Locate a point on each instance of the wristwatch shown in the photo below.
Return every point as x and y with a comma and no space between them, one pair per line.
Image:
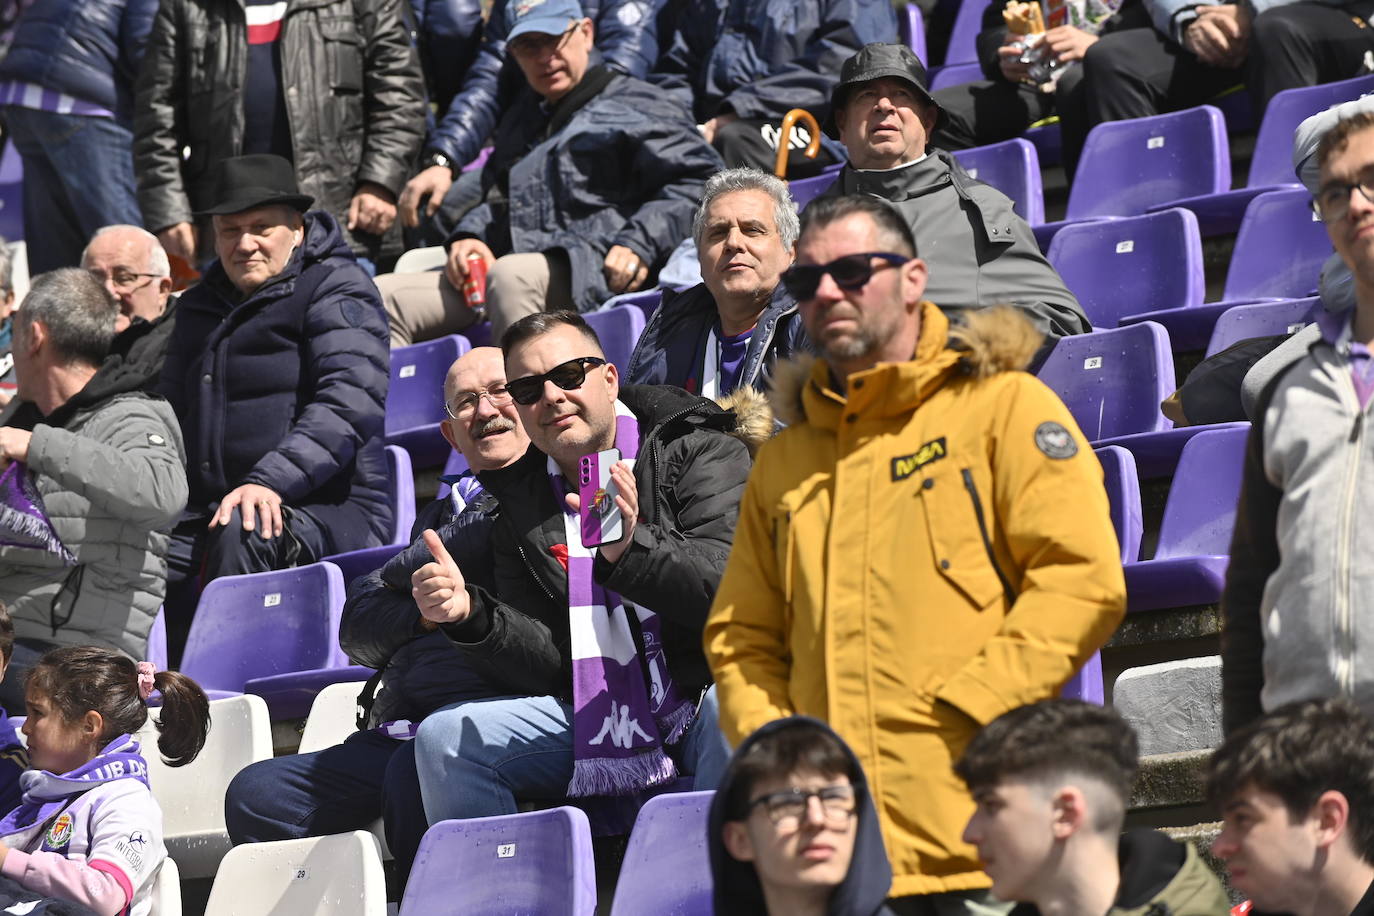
437,158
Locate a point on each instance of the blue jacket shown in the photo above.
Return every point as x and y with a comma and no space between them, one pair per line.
448,35
625,168
626,35
760,58
670,349
89,49
381,625
287,388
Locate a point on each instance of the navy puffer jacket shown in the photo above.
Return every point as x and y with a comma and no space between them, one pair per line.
89,49
627,168
626,35
448,35
760,58
287,388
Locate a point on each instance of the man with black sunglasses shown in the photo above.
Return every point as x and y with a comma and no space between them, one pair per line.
925,546
979,250
597,649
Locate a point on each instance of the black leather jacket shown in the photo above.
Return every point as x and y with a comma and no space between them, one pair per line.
354,96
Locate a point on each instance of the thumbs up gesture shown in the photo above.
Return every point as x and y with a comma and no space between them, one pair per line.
438,588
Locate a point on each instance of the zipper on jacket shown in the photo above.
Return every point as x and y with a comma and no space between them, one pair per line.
983,531
1345,675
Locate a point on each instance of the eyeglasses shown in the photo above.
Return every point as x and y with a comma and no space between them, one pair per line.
464,404
125,280
533,44
569,376
787,808
1332,202
851,272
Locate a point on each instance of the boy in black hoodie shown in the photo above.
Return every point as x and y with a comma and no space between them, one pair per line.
1051,782
793,830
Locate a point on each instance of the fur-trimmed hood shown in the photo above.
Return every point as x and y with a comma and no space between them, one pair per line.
982,343
753,416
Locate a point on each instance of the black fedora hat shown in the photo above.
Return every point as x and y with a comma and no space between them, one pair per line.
244,182
876,61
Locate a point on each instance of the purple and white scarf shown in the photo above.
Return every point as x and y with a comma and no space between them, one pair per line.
23,521
46,794
618,720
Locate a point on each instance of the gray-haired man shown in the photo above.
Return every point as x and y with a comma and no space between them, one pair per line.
727,331
130,263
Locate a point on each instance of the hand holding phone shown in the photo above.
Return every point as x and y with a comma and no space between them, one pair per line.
601,519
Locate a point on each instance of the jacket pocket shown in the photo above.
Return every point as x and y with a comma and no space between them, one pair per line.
959,523
344,53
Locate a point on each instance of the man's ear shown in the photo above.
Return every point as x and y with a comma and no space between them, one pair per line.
1070,809
1331,815
446,427
914,277
613,380
930,116
35,335
737,842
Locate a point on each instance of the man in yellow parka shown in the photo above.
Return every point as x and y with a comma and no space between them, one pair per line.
926,546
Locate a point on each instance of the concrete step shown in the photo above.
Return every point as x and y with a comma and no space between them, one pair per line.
1173,706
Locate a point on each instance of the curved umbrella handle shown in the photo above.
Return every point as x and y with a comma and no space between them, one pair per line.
789,120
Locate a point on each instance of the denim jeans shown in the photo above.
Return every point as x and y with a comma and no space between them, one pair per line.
78,176
341,788
475,758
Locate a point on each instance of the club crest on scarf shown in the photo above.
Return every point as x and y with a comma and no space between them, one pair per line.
620,723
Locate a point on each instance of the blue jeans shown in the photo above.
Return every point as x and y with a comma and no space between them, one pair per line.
78,176
341,788
475,758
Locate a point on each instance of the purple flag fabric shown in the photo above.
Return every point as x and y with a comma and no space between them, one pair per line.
23,522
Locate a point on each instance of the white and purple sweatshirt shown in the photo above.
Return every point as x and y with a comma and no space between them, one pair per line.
103,848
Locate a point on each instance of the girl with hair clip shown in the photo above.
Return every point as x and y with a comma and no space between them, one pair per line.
87,836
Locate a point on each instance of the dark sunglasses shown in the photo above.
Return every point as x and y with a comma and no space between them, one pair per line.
851,272
569,376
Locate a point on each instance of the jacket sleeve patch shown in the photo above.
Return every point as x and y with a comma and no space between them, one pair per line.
1055,441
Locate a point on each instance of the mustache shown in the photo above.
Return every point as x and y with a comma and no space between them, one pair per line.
495,425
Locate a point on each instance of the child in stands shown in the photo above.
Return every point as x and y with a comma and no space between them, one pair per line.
88,830
14,759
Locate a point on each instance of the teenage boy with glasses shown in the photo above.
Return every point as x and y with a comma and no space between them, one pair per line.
926,546
596,650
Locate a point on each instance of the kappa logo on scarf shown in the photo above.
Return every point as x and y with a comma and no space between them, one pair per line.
903,466
59,834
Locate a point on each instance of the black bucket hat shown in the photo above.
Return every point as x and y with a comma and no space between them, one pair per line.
876,61
244,182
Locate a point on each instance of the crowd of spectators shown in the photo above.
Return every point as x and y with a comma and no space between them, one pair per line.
855,546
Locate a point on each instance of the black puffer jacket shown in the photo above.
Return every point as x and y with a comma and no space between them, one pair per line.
695,468
381,625
354,96
287,388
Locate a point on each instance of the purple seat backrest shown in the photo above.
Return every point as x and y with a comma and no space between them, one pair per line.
666,867
619,328
647,301
416,395
1123,493
358,563
402,490
1113,381
537,862
265,623
1261,319
1128,166
157,641
956,75
11,194
456,464
1201,510
1012,167
1279,249
911,28
805,190
963,38
1272,161
1131,265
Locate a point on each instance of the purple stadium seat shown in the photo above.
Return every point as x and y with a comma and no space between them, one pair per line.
1086,685
537,862
1113,380
1131,265
1271,165
1278,255
963,38
357,563
1261,319
1012,167
415,400
647,301
290,695
666,869
1047,139
1129,166
955,75
805,190
911,29
1123,492
402,489
267,623
619,328
1189,566
157,641
11,194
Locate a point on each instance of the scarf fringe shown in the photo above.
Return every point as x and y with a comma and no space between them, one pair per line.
674,725
621,775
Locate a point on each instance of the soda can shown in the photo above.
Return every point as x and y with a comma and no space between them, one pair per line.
475,286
